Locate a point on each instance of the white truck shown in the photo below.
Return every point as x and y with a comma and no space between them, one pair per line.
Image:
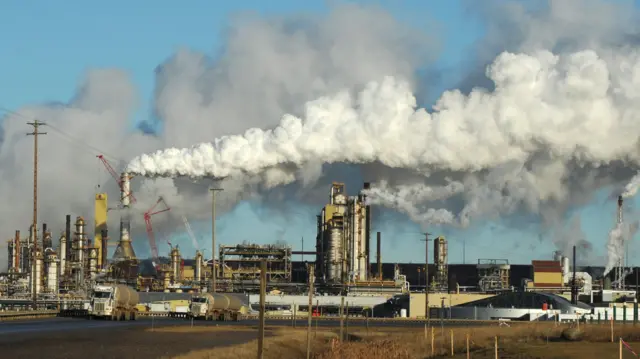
217,306
114,302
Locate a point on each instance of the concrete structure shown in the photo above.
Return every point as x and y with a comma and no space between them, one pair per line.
417,300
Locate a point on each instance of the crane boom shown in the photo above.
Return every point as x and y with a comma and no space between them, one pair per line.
150,234
115,176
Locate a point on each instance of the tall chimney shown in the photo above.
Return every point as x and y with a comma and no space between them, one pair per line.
18,248
67,235
620,209
104,248
574,288
44,230
367,233
379,257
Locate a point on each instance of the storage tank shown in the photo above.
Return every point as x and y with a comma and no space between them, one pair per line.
125,296
198,268
38,276
52,272
565,266
227,302
218,301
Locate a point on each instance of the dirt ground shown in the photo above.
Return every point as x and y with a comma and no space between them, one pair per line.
138,343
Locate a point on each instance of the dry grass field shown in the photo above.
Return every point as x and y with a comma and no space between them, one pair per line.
527,341
521,340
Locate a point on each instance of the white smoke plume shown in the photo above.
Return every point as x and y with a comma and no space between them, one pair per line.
631,188
511,148
529,146
617,245
266,67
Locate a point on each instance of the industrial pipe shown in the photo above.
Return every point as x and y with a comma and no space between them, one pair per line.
367,232
18,250
67,235
379,257
574,289
104,247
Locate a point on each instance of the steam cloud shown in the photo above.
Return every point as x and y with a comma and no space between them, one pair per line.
508,149
559,124
277,62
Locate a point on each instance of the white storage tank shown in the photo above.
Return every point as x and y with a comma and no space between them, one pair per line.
403,313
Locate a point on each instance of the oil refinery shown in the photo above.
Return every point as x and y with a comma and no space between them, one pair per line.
72,267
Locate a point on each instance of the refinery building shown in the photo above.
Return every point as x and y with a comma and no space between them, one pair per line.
346,259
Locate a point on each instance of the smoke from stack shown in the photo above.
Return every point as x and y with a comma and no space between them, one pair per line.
542,141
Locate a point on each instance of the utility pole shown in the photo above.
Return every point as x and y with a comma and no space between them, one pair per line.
213,238
426,273
263,292
312,279
36,126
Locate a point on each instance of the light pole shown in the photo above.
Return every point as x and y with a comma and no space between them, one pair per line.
426,274
213,238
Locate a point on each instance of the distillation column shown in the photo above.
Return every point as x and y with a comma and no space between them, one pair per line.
124,249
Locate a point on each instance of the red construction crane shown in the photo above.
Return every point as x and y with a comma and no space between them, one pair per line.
115,176
147,220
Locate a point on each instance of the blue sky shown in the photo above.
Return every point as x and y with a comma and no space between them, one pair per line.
47,46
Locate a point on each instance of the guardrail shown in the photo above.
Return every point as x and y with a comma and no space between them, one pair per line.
27,314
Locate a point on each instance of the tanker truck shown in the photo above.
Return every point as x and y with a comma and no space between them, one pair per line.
217,306
114,302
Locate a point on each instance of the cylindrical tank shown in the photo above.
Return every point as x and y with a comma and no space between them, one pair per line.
403,313
167,280
219,301
335,254
93,263
39,268
198,269
175,264
80,240
125,296
52,272
63,254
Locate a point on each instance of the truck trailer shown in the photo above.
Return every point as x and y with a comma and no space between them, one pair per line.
217,306
114,302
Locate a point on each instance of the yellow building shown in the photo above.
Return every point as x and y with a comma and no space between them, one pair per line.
417,301
100,222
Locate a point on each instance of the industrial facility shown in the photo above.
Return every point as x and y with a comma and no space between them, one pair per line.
71,267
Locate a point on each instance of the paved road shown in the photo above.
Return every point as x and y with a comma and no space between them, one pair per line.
65,324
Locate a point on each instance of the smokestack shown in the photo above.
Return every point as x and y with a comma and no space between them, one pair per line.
367,233
620,209
104,247
44,230
379,256
18,248
67,235
574,288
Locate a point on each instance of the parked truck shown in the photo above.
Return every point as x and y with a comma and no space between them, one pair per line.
217,306
114,302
